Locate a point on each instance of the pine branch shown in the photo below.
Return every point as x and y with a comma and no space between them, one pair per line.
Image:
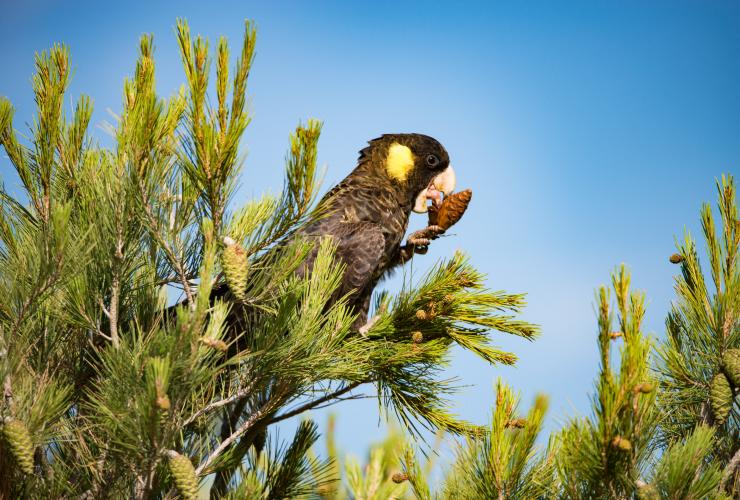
732,466
174,260
316,402
253,419
237,396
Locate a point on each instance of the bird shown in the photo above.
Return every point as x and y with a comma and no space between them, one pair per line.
368,212
366,215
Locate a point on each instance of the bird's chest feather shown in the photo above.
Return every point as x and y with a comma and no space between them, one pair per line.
351,209
380,208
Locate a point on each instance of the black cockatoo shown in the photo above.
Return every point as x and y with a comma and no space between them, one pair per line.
367,213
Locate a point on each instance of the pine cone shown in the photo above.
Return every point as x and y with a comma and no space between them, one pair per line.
731,366
720,398
399,477
644,388
647,492
216,344
417,337
236,267
516,423
163,403
20,444
676,258
184,474
622,443
452,209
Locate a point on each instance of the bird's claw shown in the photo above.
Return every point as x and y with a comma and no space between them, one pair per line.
418,242
424,237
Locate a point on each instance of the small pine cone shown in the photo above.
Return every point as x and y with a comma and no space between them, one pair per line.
720,398
615,335
448,299
465,281
451,211
184,474
647,492
621,443
130,95
676,258
236,267
644,388
417,337
517,423
399,477
508,358
731,366
421,315
216,344
163,403
20,444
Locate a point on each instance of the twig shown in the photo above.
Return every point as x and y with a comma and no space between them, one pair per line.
170,253
221,402
8,394
115,295
314,403
234,436
113,314
730,469
102,306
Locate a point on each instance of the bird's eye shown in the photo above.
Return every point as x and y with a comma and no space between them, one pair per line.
432,161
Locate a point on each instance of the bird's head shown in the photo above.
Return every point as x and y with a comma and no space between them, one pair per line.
414,164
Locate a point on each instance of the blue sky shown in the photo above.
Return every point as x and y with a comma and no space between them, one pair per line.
590,133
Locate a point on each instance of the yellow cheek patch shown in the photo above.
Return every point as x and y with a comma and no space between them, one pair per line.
400,161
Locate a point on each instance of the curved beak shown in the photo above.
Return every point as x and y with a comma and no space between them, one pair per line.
443,183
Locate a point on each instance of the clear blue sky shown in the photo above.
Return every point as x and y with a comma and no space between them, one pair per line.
589,131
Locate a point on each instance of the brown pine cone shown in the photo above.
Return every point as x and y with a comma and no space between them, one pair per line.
452,209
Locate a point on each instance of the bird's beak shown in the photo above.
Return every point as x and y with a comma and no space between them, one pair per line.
444,183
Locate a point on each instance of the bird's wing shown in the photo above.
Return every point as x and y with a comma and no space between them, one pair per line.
360,247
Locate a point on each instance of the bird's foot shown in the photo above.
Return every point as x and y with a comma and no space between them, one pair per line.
418,242
424,237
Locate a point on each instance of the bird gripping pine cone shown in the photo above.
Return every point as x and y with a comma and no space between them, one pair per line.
451,210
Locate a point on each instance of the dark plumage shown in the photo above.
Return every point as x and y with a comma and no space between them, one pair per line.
367,215
368,211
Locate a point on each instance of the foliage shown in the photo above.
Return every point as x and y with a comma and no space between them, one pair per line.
111,391
617,452
504,462
602,456
702,327
381,475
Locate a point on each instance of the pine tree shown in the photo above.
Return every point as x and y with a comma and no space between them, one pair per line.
664,423
602,456
699,358
109,390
